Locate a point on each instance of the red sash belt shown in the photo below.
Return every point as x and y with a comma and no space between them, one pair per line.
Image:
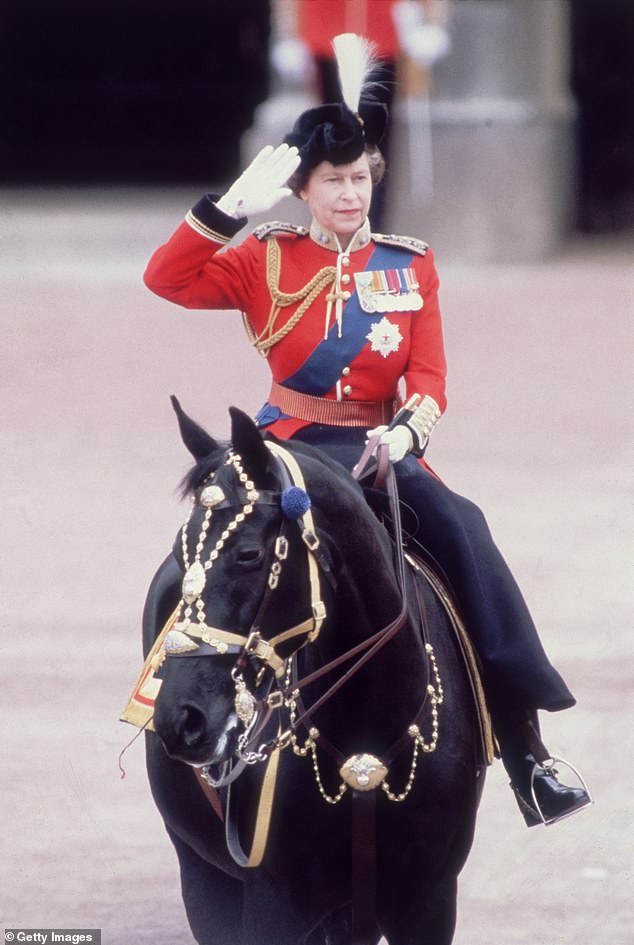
336,413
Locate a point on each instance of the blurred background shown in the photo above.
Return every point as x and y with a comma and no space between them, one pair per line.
526,106
511,151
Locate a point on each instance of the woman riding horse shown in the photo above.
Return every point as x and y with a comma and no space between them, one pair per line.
343,315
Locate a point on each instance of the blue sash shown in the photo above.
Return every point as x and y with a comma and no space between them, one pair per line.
322,368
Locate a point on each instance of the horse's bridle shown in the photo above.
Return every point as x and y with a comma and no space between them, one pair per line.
196,638
193,636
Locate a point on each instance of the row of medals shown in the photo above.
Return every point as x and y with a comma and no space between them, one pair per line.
375,300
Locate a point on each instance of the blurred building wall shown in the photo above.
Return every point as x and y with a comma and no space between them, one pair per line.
527,131
501,164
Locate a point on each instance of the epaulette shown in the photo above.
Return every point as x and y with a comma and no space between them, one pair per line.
267,230
406,242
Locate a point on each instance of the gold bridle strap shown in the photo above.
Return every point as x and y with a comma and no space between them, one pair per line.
309,537
262,820
224,641
263,815
264,650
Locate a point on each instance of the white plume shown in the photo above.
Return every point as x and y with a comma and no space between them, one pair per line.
356,60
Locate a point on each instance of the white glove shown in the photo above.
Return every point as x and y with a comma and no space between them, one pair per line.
399,440
291,60
427,44
261,185
424,43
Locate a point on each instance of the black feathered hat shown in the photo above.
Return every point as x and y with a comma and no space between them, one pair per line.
340,132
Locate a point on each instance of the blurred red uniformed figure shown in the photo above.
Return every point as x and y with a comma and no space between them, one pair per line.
408,37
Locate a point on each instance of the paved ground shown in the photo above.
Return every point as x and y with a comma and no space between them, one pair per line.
537,433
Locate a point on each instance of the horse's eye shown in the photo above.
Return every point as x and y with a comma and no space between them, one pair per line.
250,556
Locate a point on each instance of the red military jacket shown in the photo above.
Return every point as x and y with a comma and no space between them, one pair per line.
345,325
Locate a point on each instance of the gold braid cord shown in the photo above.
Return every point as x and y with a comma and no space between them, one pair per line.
279,300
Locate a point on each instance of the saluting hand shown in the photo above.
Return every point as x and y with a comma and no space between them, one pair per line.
262,184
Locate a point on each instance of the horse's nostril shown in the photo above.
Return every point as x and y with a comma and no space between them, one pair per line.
194,725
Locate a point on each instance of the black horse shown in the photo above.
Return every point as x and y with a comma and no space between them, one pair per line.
223,701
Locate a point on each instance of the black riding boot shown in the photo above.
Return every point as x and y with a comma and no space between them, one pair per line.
541,798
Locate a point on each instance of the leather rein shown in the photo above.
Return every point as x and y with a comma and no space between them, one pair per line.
369,647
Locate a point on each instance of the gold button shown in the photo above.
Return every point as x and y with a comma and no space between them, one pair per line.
346,295
347,390
345,279
345,260
345,371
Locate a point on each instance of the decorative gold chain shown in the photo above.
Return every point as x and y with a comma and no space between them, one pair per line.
436,694
310,745
308,293
329,798
233,459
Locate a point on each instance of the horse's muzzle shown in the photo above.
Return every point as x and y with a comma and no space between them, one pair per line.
188,736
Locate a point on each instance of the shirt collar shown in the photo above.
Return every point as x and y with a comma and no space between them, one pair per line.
327,240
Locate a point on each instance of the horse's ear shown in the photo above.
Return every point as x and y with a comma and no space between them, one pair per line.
247,441
197,441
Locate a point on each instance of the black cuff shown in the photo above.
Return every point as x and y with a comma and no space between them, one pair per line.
420,444
209,221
